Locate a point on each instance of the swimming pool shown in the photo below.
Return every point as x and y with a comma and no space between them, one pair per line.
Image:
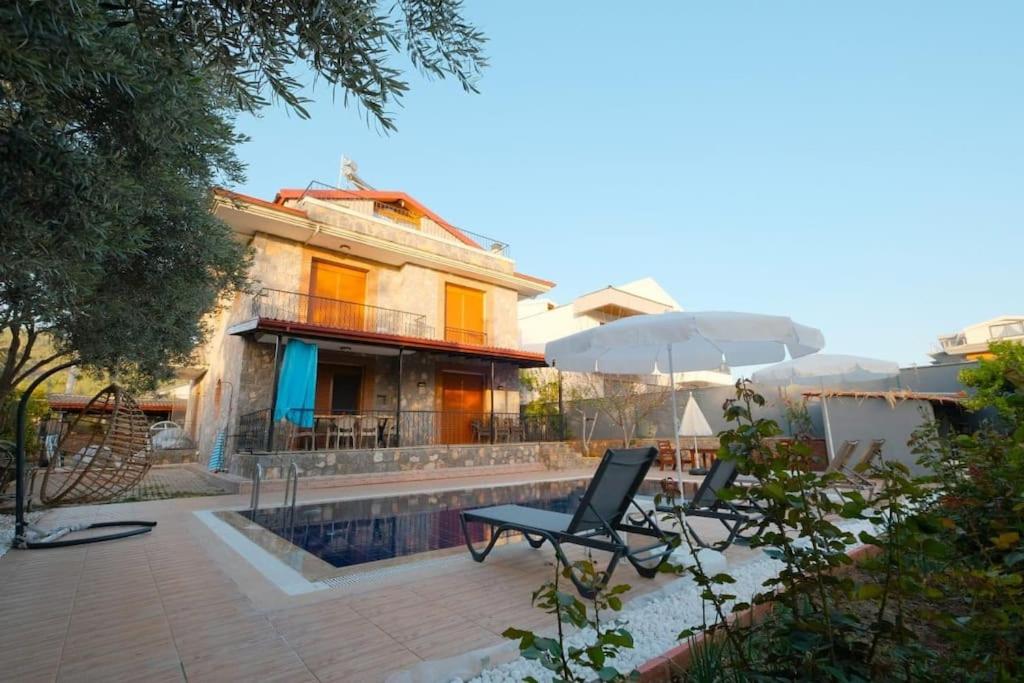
346,533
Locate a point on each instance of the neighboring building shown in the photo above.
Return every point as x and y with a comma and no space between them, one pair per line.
155,408
972,342
541,320
412,319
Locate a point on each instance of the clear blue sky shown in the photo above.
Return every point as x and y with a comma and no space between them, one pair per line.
859,167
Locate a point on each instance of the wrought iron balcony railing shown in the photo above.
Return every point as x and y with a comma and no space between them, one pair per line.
373,429
460,336
276,304
401,216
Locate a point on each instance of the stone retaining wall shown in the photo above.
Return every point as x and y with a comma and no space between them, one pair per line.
176,456
329,463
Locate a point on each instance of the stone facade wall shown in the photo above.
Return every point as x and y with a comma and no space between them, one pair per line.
418,368
211,405
256,378
176,456
277,264
502,321
394,460
284,265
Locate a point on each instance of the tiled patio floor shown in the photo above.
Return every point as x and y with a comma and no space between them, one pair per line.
178,604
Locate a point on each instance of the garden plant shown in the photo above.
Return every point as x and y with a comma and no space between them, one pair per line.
916,578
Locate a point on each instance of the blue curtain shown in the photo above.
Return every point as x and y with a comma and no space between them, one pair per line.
296,385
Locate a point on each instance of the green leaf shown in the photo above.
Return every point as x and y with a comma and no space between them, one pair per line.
774,491
869,539
565,599
525,638
618,637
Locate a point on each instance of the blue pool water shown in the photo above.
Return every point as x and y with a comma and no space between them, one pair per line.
351,532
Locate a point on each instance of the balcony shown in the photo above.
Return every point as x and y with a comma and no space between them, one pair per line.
348,316
952,341
295,307
409,219
399,214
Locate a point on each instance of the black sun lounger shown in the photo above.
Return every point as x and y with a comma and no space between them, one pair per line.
735,516
596,524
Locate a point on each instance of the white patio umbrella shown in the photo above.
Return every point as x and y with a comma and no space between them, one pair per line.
694,424
824,369
681,341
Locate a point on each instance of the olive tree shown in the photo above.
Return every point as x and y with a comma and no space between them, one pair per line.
116,121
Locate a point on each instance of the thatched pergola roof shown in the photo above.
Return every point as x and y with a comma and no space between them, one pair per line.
892,397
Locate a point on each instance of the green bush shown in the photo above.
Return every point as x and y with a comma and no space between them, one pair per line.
941,596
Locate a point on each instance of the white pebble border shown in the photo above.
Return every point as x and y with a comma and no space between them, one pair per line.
656,619
7,529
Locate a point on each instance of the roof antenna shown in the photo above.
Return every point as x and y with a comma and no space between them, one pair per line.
350,172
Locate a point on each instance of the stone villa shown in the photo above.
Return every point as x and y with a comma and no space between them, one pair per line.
409,322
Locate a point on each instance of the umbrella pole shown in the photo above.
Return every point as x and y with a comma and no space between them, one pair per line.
675,419
828,427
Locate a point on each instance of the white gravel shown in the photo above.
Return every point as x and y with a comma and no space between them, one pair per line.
656,619
7,529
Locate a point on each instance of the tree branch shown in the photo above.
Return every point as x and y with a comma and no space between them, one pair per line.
38,365
7,375
26,354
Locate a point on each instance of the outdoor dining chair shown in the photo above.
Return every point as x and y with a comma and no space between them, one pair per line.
367,431
502,431
515,430
597,524
345,430
299,434
481,430
666,455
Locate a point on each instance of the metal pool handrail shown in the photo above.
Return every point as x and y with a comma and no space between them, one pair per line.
254,496
291,482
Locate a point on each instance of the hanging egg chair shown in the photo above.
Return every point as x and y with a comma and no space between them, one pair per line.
104,452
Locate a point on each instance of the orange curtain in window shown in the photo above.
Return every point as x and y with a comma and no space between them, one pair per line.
337,296
464,315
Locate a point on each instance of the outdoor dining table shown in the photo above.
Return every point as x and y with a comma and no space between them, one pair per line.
335,420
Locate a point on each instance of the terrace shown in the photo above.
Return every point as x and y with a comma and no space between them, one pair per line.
341,582
181,604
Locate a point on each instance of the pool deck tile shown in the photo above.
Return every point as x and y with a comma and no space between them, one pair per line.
179,604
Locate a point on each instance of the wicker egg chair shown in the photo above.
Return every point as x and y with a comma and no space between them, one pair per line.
104,452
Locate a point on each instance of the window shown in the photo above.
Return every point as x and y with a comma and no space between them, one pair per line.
337,296
464,315
1005,330
398,213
